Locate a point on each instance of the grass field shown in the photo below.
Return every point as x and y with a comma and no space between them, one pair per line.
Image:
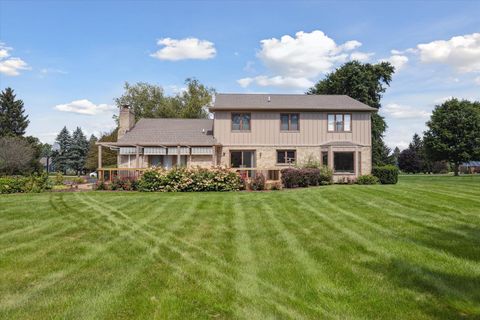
409,251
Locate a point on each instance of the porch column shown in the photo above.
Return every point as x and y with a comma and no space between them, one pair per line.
355,162
178,156
330,157
99,156
214,156
137,157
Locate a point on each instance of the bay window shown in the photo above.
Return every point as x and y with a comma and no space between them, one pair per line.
343,162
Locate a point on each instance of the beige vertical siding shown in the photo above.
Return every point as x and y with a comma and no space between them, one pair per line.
265,130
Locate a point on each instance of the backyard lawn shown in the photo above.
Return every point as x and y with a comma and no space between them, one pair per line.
407,251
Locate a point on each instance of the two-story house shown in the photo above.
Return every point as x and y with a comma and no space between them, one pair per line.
252,133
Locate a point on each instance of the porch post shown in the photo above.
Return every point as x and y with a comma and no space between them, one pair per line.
99,156
330,157
355,162
178,156
137,157
214,156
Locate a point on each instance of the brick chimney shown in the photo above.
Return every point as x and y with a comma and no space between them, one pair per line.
126,120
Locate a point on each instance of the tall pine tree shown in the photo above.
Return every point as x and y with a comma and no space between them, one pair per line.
78,151
61,157
13,121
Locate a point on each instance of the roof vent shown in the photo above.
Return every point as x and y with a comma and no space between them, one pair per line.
268,99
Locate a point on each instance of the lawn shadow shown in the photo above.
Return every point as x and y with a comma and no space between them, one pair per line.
442,295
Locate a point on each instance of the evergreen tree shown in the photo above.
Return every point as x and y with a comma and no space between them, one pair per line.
61,157
395,155
109,157
13,122
91,161
78,151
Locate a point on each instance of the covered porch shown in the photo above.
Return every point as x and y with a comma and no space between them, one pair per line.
133,160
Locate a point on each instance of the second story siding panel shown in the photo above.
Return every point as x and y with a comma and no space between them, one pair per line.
265,130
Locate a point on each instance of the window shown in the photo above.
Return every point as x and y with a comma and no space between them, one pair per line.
340,122
241,121
324,158
343,162
289,121
242,159
286,156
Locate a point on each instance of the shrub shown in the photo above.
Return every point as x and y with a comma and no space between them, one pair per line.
37,183
258,182
368,179
326,175
309,162
124,183
440,167
12,184
58,180
34,183
78,180
346,180
292,178
101,185
386,174
189,179
275,186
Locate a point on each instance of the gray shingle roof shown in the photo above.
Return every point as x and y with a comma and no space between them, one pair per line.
170,132
235,101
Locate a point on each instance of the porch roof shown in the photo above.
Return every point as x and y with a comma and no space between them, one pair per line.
169,132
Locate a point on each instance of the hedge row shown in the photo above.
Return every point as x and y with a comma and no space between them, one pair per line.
190,179
19,184
386,174
293,177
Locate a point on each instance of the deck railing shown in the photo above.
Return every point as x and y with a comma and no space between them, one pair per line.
108,174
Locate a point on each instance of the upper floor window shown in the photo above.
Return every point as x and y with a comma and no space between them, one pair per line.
340,122
241,121
289,121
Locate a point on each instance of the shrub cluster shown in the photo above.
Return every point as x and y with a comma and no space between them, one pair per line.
189,179
292,177
33,183
258,182
386,174
119,184
368,179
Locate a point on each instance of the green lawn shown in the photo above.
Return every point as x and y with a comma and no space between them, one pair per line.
409,251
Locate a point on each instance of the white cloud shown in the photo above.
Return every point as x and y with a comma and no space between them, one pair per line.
293,62
360,56
477,80
51,70
276,81
461,52
397,60
10,66
399,111
84,106
188,48
306,55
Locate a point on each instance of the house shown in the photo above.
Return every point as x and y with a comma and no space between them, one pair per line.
470,167
252,133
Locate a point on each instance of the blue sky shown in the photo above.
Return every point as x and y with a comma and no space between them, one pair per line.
69,60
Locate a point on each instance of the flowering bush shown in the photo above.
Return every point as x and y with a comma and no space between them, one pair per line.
258,182
124,183
189,179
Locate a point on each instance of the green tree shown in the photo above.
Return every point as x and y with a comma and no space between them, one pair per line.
61,157
13,121
16,155
78,151
92,157
109,157
47,152
149,101
194,100
365,83
454,132
395,155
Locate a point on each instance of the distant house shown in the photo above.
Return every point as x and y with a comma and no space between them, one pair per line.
470,167
252,133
